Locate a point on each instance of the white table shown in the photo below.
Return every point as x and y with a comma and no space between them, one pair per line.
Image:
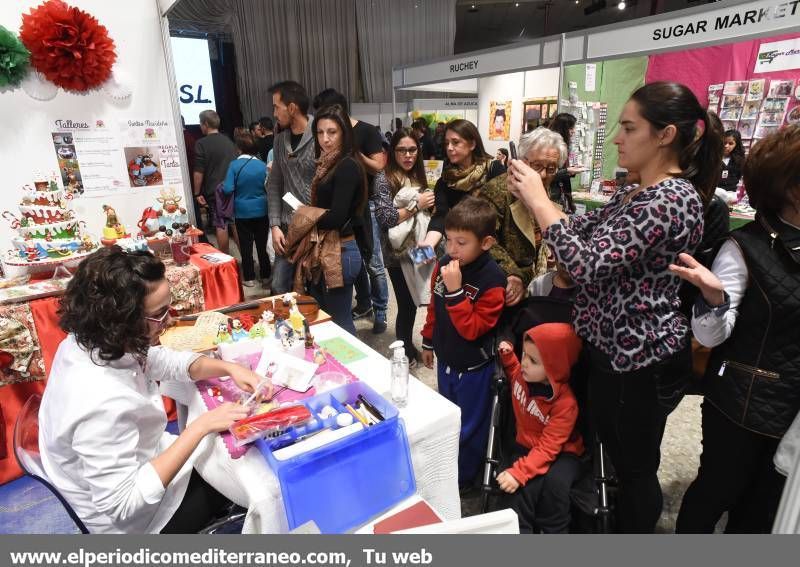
432,425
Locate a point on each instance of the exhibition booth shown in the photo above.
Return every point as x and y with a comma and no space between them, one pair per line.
95,156
516,87
741,59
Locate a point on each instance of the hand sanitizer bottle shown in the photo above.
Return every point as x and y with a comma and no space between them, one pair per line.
399,374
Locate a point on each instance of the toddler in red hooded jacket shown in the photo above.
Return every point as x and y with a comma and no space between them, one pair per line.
546,464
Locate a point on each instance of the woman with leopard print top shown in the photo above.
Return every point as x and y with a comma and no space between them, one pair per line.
627,306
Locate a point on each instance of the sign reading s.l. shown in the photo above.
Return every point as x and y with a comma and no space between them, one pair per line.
193,75
778,56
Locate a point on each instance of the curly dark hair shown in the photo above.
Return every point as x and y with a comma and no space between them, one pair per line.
104,303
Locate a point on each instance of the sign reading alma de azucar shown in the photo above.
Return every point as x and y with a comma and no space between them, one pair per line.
778,56
719,24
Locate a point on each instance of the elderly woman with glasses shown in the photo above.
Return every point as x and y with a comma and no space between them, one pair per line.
102,422
519,250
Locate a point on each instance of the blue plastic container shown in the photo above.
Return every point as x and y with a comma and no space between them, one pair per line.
344,484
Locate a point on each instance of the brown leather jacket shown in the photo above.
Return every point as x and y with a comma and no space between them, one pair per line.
313,252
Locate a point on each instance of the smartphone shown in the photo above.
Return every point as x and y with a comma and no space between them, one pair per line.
512,149
421,254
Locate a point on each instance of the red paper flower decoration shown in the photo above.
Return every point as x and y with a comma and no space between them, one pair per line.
68,45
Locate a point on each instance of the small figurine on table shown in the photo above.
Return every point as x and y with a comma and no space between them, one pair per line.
113,228
296,319
223,335
309,338
238,331
287,299
284,333
258,331
319,357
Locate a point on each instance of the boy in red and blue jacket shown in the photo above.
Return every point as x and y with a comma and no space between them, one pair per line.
468,293
545,459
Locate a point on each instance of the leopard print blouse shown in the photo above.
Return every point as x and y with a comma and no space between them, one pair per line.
627,303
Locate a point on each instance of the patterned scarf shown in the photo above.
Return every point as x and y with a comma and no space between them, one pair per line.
469,179
325,164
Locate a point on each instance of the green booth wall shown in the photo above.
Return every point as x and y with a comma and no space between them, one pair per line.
615,81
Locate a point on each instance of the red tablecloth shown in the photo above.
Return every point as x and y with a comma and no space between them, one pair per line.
221,287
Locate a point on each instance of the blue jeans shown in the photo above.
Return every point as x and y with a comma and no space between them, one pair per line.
338,301
282,275
372,280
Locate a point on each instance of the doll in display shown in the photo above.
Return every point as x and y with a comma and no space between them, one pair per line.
171,211
113,228
264,327
285,334
223,334
239,333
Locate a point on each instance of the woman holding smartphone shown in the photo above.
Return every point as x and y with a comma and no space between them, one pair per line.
402,209
626,307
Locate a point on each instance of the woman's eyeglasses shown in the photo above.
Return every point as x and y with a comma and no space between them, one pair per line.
539,167
406,151
160,320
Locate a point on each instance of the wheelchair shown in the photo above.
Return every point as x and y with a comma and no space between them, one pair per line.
592,495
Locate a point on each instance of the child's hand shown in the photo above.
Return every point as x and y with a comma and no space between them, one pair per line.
505,347
507,483
451,276
427,358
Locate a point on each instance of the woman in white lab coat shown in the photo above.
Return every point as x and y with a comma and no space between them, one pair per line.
101,422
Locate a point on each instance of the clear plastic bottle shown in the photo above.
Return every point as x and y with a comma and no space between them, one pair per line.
399,374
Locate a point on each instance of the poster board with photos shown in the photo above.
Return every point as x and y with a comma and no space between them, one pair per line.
107,147
756,108
586,147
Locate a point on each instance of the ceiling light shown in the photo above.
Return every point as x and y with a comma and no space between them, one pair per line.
473,6
621,5
516,4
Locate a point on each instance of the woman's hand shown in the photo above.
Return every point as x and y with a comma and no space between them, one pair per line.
507,483
426,200
505,347
574,170
431,239
525,183
221,417
515,290
704,279
248,380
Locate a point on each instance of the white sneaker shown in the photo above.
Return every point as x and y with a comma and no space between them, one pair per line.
249,283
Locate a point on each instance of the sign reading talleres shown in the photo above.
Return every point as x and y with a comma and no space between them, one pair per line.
739,19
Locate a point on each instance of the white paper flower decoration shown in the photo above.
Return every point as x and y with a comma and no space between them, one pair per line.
117,86
37,87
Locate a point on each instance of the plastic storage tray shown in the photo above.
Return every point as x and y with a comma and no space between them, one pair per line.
344,484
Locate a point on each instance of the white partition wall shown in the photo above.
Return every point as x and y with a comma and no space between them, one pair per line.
107,125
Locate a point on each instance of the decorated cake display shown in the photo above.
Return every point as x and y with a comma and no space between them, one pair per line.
48,231
169,213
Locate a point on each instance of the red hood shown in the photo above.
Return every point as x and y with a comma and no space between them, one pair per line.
559,348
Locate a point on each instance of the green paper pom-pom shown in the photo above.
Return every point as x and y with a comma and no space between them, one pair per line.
14,59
